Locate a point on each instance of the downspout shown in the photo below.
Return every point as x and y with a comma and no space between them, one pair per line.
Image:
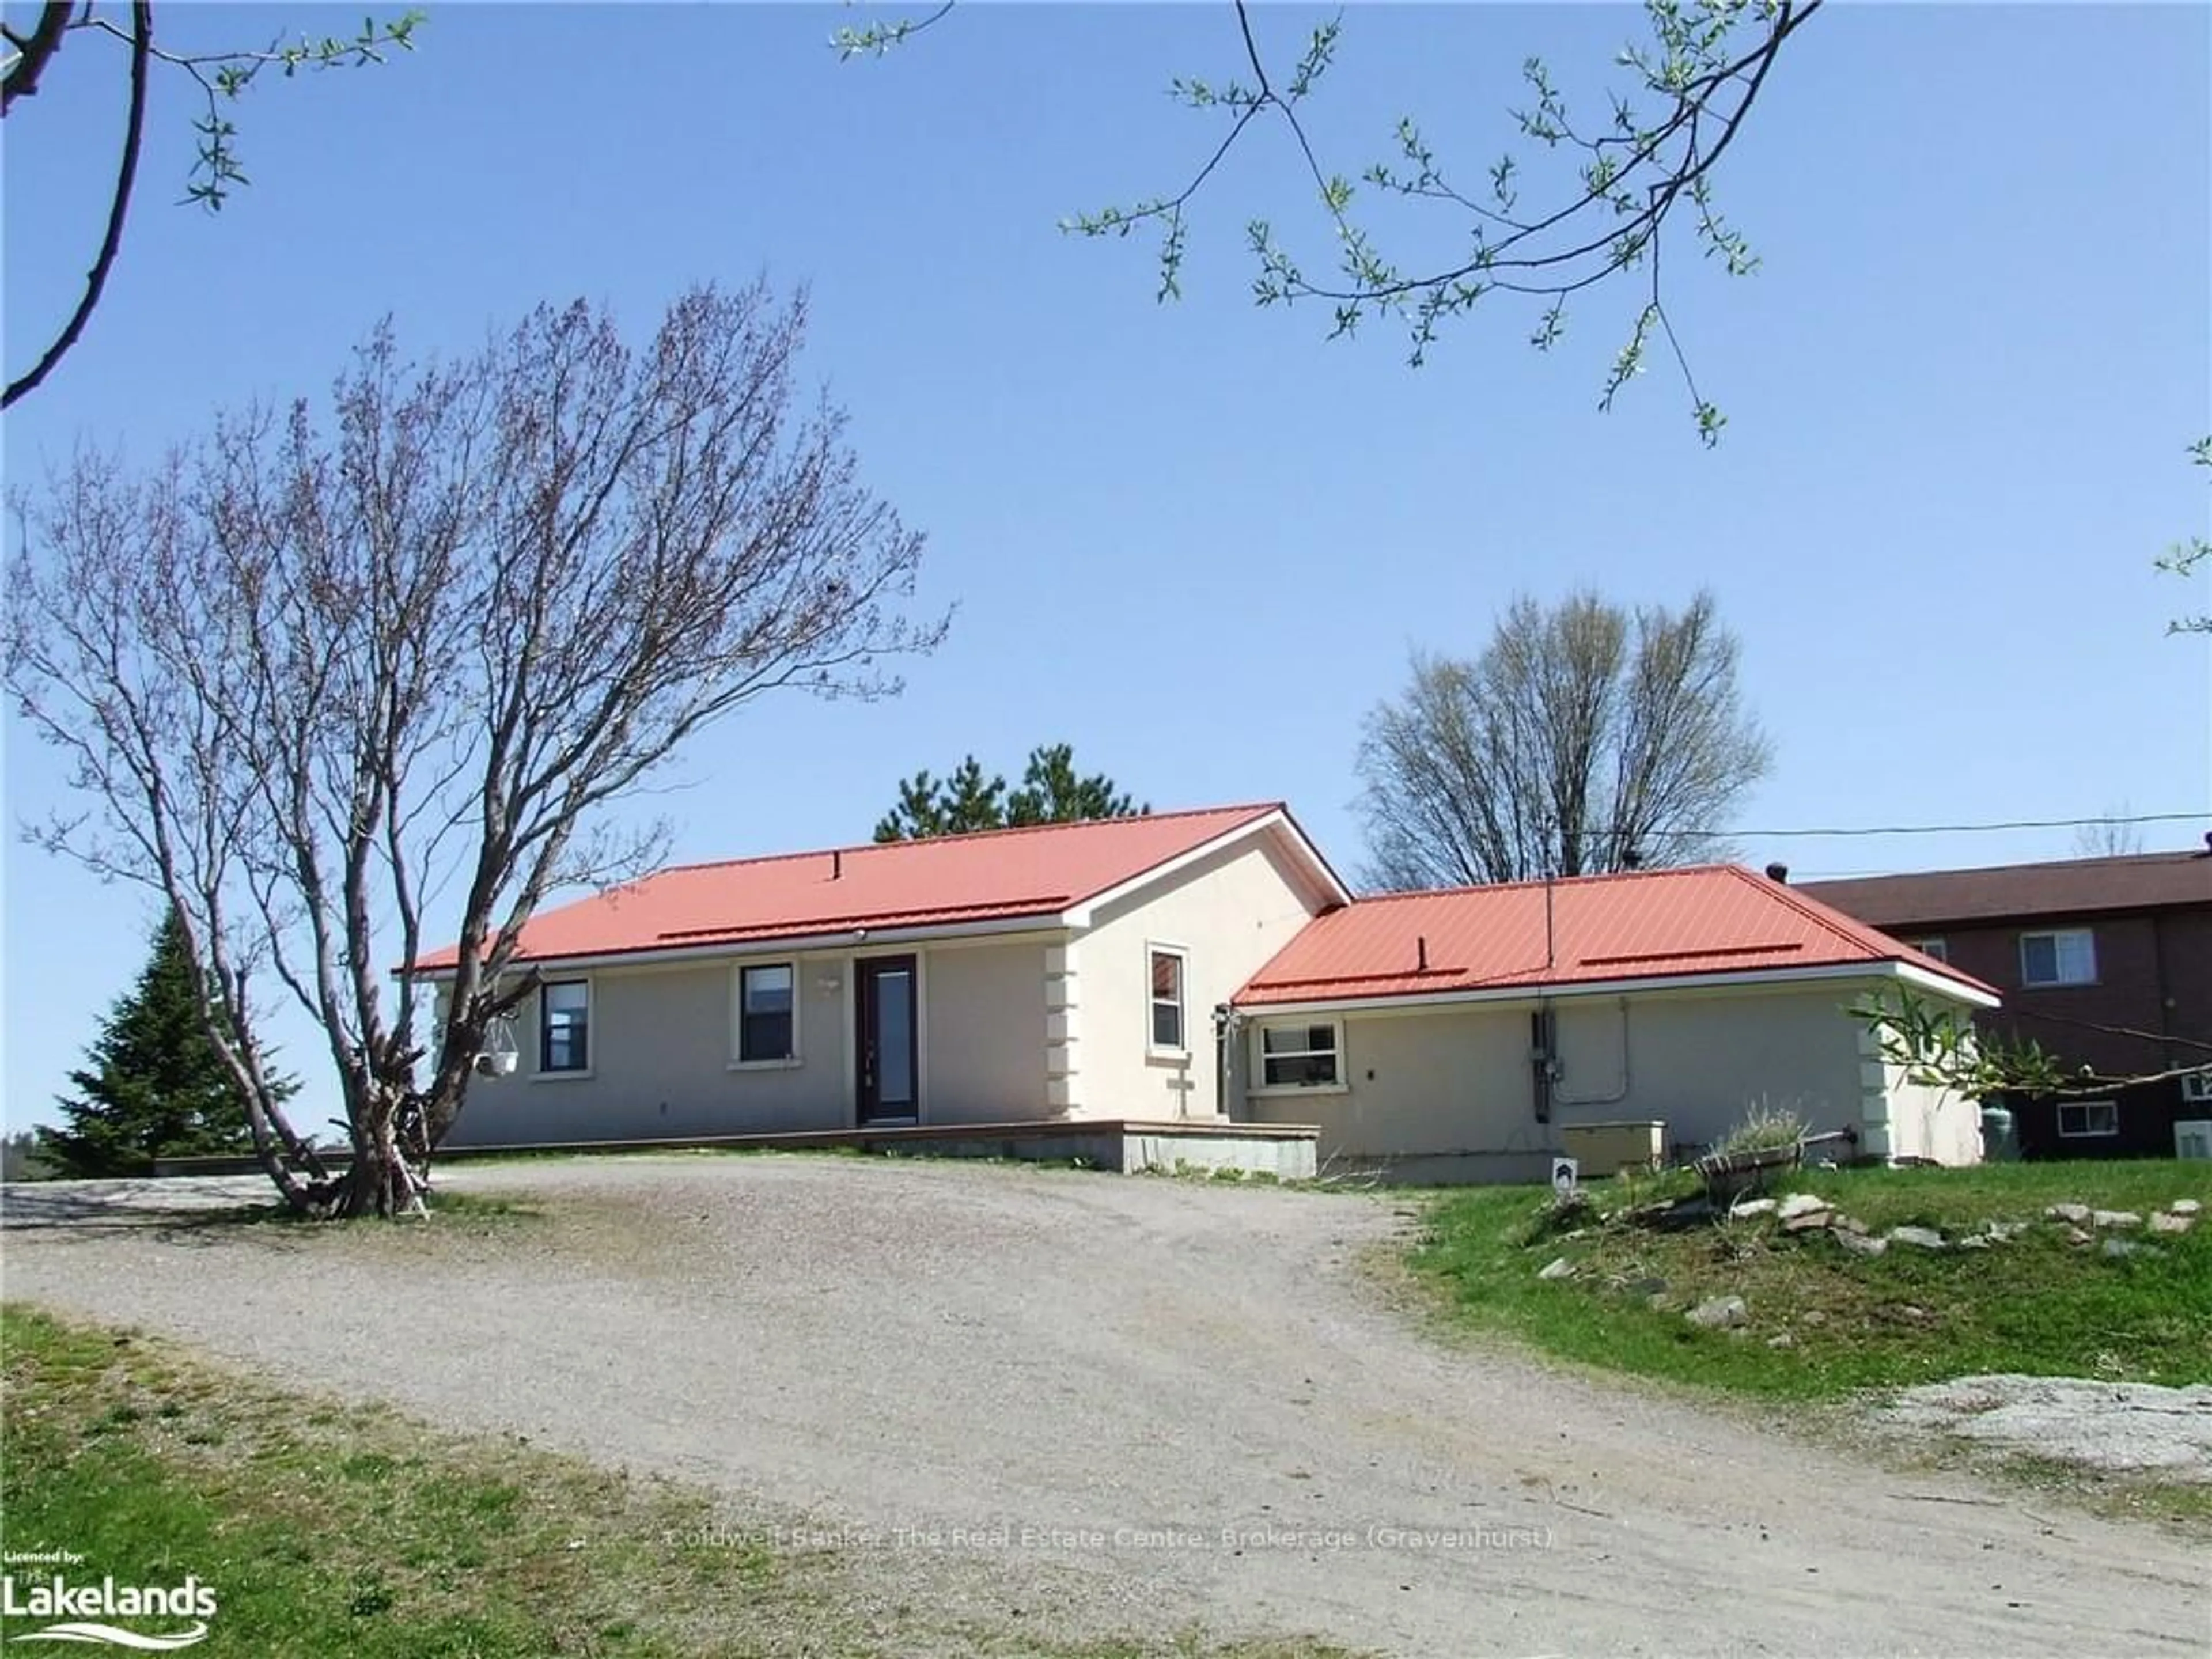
1543,1033
1225,1026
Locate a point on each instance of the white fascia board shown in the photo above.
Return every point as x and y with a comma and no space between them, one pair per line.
1944,985
1742,979
1316,868
844,939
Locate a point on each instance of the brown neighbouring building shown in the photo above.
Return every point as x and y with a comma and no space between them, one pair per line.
2104,962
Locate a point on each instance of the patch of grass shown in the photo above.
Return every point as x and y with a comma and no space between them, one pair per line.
325,1528
2036,1304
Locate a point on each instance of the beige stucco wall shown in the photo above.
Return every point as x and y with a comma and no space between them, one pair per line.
662,1039
1230,912
1451,1090
983,1034
1921,1122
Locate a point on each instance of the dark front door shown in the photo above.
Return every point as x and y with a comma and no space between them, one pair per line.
888,1051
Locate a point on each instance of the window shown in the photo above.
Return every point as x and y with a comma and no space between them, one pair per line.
2080,1118
1167,975
1940,950
564,1026
2066,958
1300,1056
2197,1086
766,1015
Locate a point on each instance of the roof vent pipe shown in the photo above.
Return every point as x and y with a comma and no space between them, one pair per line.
837,865
1421,946
1778,873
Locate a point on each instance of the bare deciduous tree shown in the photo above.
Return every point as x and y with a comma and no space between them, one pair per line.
2115,835
1583,738
1585,199
220,76
2187,559
314,676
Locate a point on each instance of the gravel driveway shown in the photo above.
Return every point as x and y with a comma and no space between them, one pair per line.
1055,1392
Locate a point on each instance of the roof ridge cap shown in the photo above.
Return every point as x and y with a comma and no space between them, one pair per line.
1248,808
1824,915
1527,882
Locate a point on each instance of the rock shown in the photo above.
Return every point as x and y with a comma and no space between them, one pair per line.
1799,1204
2004,1231
1908,1312
1811,1221
1978,1242
1849,1223
2114,1219
2183,1206
1784,1341
2076,1213
1719,1313
1859,1243
1745,1209
2167,1221
2075,1235
1921,1238
1559,1267
1813,1316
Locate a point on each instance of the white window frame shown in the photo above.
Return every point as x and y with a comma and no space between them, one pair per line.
1937,949
541,1072
1339,1084
737,972
2196,1087
2110,1109
1155,1049
2057,936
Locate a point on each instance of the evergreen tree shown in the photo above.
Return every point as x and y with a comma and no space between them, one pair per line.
965,801
154,1086
1052,791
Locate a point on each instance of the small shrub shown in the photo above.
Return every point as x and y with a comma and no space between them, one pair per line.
1764,1129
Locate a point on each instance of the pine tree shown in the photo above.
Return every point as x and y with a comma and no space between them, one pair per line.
1052,791
154,1086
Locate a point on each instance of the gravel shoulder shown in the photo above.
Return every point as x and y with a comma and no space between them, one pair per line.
1117,1403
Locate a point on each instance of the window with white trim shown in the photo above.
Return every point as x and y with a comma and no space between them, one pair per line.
768,1013
1165,966
1940,950
2079,1120
1306,1055
2067,955
2197,1086
564,1026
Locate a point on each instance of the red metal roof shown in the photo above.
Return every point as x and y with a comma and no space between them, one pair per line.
1653,924
949,882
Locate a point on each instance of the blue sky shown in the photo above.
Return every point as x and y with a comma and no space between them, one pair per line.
1197,540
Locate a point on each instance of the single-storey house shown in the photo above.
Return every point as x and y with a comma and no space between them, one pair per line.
1468,1034
1200,969
1063,971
